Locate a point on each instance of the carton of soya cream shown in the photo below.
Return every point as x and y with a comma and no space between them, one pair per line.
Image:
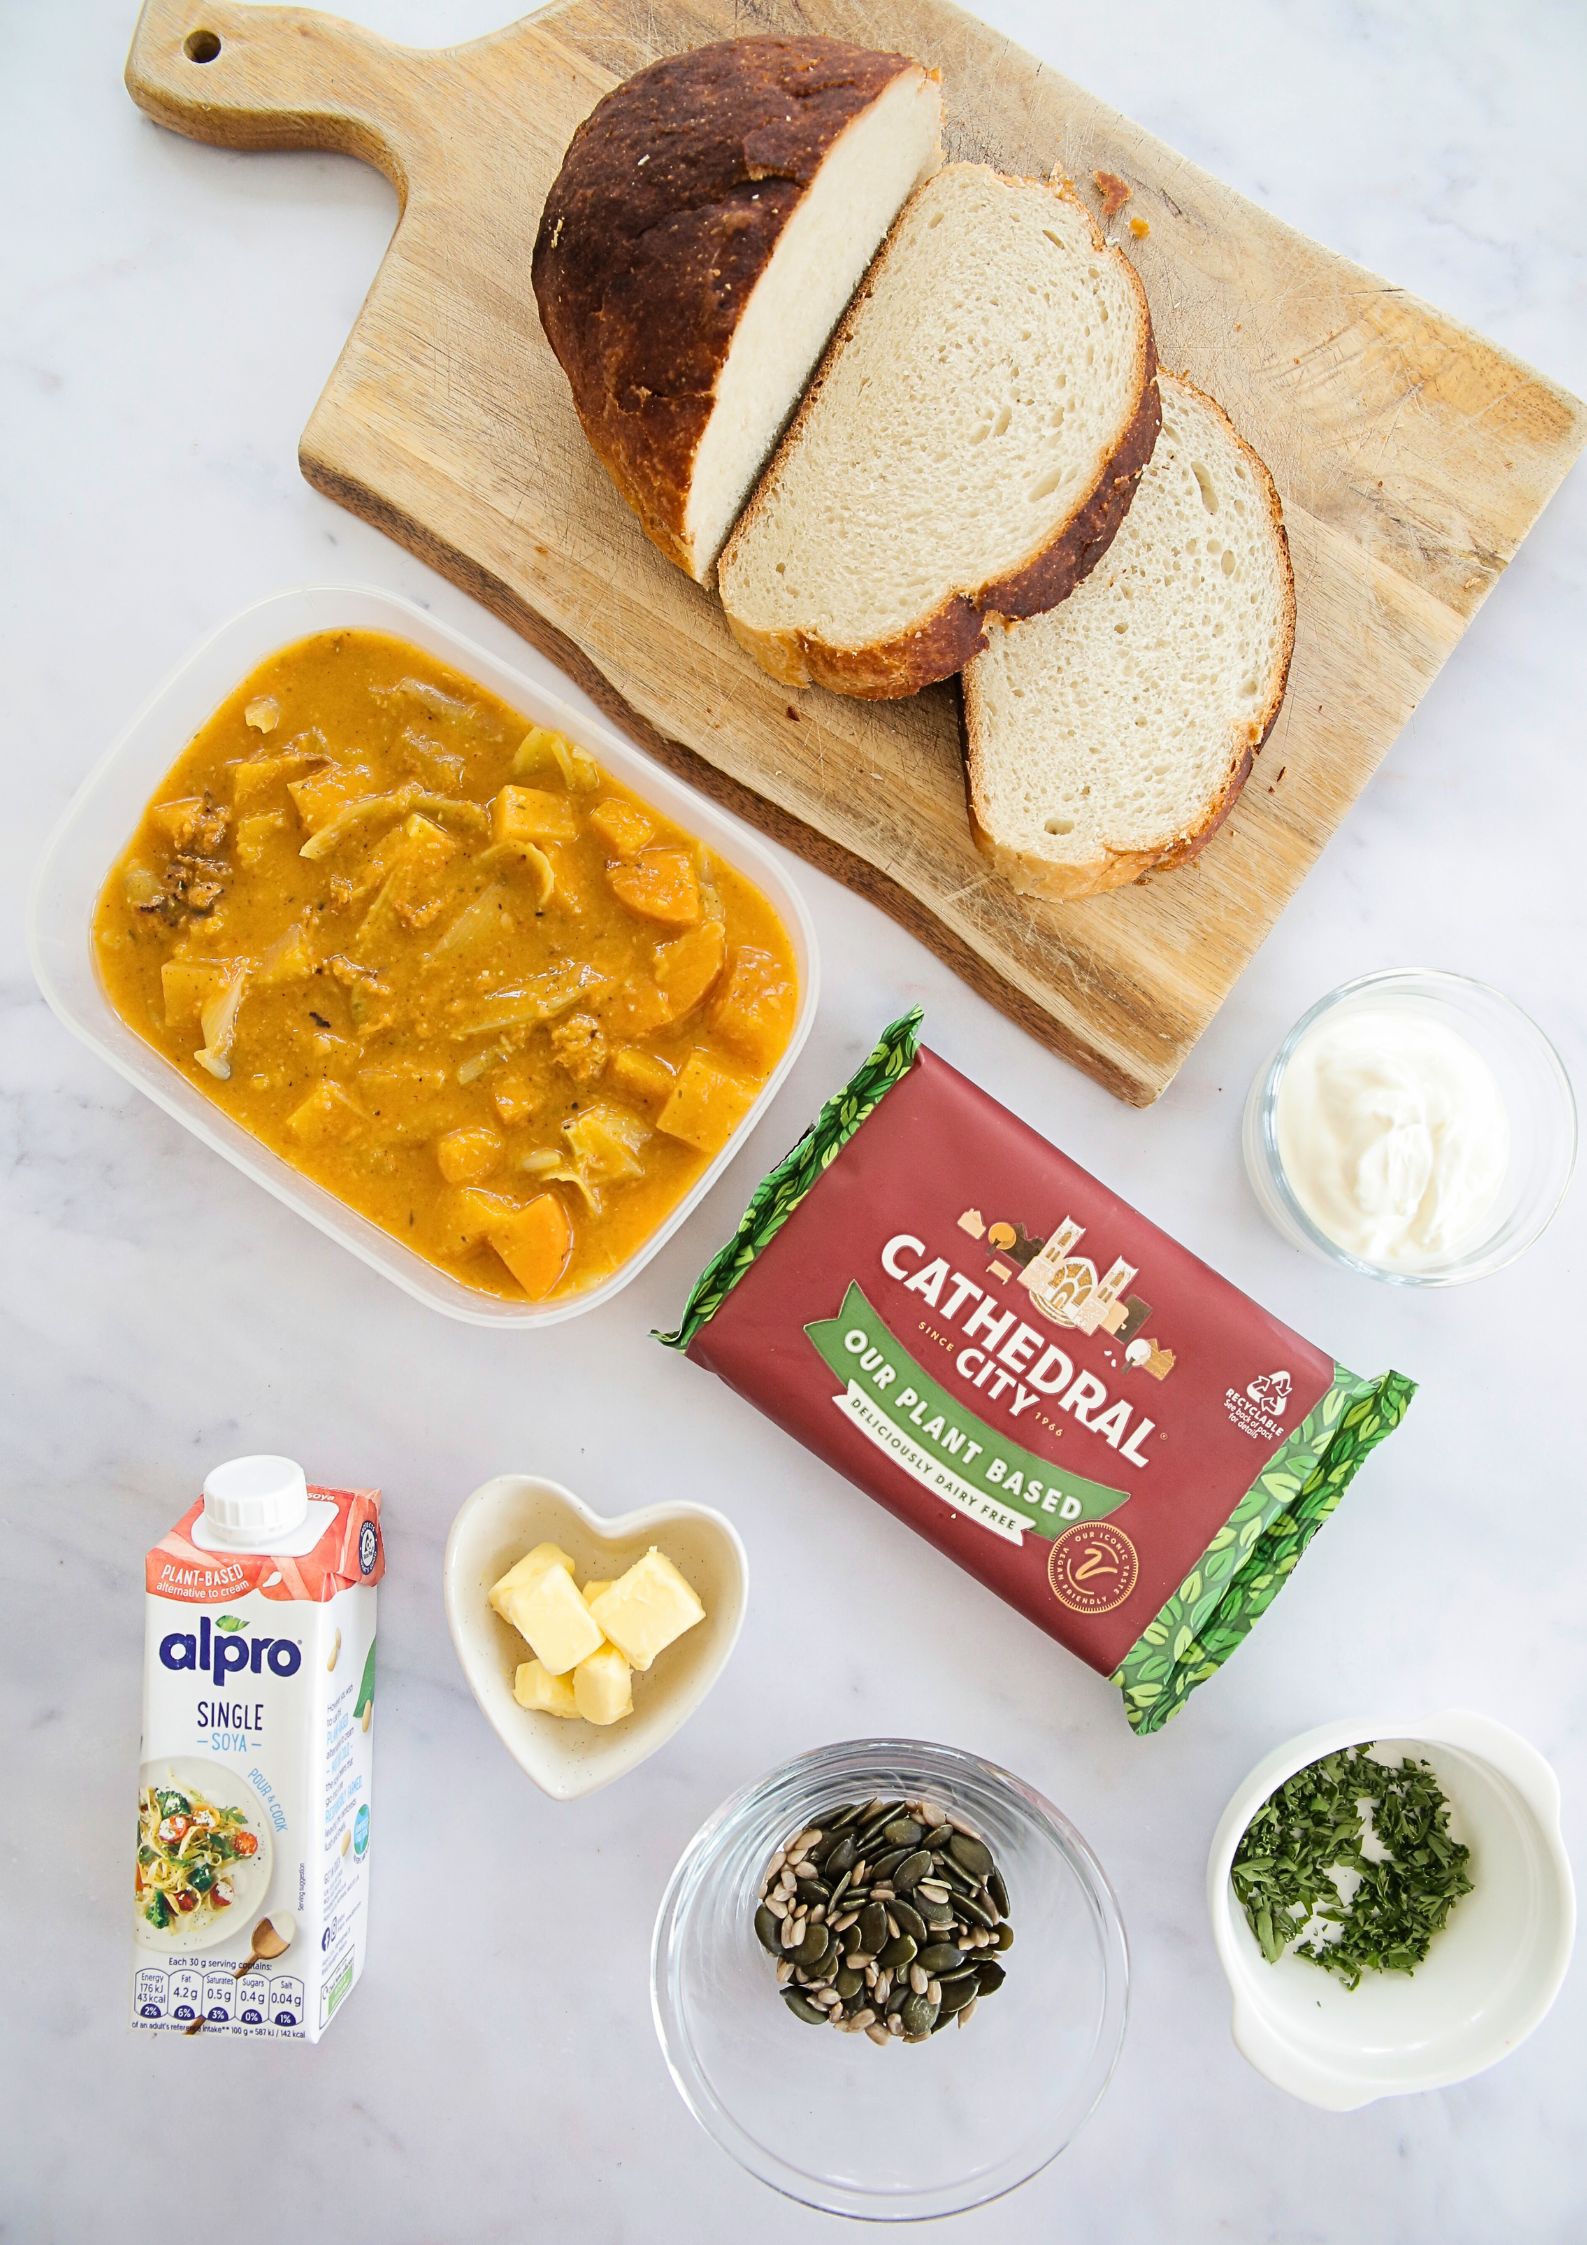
251,1889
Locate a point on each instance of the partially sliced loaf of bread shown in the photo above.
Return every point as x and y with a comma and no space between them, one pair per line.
1112,736
712,218
969,446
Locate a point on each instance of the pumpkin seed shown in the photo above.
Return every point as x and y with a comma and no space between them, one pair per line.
958,1994
848,1983
873,1928
998,1891
938,1837
991,1977
941,1956
918,2015
977,1912
814,1946
909,1919
1005,1937
767,1931
911,1871
839,1857
903,1832
899,1953
968,1851
939,1916
802,2008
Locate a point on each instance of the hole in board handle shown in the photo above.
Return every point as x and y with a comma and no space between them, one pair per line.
201,46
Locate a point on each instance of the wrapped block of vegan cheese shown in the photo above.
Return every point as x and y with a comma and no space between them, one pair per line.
1012,1360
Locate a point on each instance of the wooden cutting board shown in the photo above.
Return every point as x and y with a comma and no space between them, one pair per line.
1412,458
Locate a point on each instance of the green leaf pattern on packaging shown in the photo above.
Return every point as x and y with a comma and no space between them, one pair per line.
782,1189
1245,1565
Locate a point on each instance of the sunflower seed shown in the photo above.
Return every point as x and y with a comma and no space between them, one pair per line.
880,2035
919,1981
964,2015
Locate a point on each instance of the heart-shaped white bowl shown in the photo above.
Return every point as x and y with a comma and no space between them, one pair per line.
507,1517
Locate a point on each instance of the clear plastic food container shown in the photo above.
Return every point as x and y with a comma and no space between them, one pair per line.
105,812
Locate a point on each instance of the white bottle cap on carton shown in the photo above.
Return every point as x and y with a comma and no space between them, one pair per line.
249,1503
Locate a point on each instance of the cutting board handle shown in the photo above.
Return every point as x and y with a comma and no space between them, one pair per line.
259,77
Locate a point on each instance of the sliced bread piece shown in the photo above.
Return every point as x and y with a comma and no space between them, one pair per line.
969,447
1112,736
712,218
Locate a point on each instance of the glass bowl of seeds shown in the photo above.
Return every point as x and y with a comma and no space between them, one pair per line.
890,1978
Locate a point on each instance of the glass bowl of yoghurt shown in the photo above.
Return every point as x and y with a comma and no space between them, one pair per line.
1414,1125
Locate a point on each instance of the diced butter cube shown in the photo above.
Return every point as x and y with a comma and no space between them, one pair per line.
552,1618
526,1574
544,1694
603,1686
647,1609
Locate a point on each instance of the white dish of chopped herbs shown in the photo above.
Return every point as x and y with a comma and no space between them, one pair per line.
1392,1905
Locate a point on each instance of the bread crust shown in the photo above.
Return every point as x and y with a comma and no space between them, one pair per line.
1116,869
944,640
668,207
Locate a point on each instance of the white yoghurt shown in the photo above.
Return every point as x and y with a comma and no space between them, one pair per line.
1393,1133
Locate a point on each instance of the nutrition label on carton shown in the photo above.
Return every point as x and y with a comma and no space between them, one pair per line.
260,2003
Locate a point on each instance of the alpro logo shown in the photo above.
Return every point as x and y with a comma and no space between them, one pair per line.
224,1650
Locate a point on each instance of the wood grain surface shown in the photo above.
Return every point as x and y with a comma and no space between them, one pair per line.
1411,456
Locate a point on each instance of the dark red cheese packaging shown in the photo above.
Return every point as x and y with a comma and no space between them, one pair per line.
1033,1377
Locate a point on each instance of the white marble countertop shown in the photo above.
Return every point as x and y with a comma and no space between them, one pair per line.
173,314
